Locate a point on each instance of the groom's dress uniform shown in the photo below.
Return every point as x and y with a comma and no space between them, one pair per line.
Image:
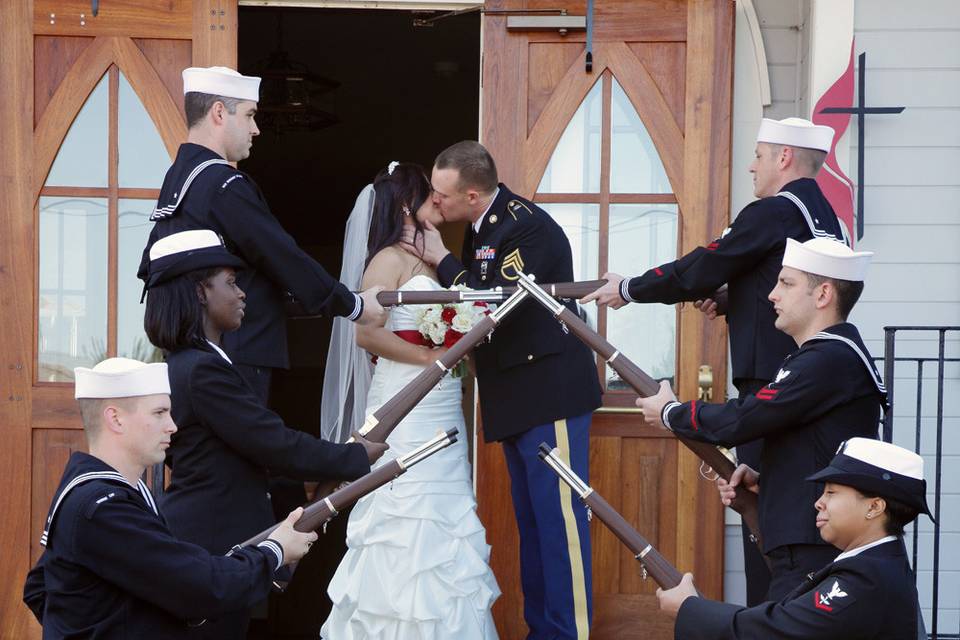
538,383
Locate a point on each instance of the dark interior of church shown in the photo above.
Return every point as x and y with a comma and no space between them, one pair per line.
344,93
377,89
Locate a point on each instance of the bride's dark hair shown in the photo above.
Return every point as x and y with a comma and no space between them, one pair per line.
398,194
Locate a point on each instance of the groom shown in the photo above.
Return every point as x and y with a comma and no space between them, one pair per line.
538,383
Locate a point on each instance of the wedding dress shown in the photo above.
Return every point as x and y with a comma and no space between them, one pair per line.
416,566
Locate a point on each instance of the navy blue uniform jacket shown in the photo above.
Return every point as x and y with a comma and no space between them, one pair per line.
112,569
532,371
228,201
826,392
747,257
225,444
870,596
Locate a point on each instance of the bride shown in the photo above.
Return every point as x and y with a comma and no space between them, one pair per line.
416,563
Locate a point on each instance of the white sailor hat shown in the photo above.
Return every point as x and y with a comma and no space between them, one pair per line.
121,378
221,81
827,257
874,466
796,132
187,251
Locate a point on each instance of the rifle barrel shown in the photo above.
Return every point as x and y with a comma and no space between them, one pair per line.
316,514
499,294
659,568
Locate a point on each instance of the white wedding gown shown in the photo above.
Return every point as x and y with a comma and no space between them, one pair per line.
416,566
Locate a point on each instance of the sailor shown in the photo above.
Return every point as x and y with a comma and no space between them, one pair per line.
870,491
745,261
110,567
203,191
825,392
227,438
538,383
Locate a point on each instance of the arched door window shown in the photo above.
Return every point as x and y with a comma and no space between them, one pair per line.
93,219
606,186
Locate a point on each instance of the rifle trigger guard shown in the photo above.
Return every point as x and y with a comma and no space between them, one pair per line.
707,472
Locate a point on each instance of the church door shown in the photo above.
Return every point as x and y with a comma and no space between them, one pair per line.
632,159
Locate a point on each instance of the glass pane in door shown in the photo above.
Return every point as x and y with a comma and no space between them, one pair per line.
82,158
635,165
133,228
575,164
72,296
642,236
581,223
143,160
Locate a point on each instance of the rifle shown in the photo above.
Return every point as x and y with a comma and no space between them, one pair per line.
380,424
497,295
650,559
317,514
745,502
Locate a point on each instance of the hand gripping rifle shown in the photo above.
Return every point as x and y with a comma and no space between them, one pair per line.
497,295
650,559
745,502
319,513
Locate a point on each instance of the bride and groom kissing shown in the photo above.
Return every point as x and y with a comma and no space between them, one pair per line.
417,559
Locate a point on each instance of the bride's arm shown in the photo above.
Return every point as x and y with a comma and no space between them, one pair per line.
385,270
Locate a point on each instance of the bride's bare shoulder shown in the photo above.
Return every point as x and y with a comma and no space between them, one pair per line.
385,268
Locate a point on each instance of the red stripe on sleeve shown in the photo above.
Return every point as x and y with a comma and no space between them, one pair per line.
658,271
693,414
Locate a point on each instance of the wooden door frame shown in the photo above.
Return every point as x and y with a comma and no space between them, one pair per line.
27,156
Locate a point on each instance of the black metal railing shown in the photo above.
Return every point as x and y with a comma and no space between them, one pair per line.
890,371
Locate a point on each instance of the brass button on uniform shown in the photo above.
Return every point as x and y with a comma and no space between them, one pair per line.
530,357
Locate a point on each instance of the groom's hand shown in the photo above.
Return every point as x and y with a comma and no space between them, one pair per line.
428,245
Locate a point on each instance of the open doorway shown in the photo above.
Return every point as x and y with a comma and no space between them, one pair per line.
381,89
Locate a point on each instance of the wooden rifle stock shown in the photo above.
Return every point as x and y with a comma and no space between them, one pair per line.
559,290
745,502
319,513
659,568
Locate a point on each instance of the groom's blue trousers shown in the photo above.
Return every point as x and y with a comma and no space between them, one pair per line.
554,532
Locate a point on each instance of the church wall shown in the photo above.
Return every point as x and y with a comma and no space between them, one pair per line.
912,215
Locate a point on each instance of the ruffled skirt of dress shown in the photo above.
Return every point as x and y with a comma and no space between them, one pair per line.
416,566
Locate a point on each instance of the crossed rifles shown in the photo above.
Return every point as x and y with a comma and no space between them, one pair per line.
381,423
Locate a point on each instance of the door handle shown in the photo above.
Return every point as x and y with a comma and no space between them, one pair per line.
705,383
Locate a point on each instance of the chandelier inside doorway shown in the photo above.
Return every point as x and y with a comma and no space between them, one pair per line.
291,94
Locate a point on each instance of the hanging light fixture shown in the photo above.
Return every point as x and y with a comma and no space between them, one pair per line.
290,93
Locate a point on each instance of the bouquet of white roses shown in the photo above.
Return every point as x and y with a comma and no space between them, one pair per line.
445,324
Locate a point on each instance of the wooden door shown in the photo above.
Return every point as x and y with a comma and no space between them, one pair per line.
91,116
632,159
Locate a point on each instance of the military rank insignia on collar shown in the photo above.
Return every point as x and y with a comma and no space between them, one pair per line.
827,601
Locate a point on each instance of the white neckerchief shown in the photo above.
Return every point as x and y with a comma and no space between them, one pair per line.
853,552
476,225
220,351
